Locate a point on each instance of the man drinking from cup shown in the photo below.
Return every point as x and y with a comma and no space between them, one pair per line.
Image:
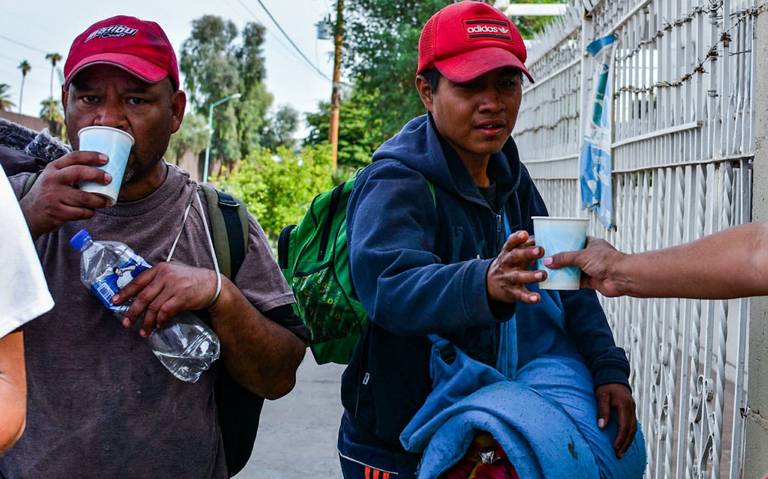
100,403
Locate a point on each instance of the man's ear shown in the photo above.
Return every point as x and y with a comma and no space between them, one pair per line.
425,92
178,105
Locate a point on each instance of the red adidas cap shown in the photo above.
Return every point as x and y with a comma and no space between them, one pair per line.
137,46
468,39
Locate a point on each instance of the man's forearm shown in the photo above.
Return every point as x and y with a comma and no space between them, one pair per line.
13,390
260,354
729,264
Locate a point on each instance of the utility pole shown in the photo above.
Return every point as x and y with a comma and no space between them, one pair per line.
338,40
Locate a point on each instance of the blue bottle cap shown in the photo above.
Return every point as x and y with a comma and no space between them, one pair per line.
80,239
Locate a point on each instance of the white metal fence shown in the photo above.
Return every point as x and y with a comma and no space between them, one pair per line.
683,146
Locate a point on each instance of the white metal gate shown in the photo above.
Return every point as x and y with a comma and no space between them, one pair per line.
683,146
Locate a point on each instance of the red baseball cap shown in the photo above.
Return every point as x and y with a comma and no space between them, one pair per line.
137,46
468,39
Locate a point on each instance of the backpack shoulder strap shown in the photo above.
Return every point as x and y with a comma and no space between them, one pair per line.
229,228
238,408
29,183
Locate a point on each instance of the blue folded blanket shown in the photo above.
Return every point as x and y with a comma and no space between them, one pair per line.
538,402
545,420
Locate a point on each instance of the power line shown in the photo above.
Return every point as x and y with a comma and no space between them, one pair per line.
279,27
14,77
23,44
279,40
17,61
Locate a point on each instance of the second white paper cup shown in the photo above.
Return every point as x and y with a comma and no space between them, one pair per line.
557,235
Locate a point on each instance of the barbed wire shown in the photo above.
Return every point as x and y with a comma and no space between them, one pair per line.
563,96
556,57
669,26
712,54
552,126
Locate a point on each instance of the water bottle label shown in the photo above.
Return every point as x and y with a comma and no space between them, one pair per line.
115,279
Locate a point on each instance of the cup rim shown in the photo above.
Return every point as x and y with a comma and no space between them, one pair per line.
560,218
99,127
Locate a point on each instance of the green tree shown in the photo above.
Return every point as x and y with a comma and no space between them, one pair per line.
253,106
279,187
381,52
192,137
25,67
54,58
281,129
360,130
51,110
217,62
5,97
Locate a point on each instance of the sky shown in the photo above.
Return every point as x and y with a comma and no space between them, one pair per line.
50,26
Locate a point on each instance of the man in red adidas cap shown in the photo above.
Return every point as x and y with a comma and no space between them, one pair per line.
100,403
429,256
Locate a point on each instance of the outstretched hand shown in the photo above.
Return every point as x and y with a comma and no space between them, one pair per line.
596,261
617,396
510,271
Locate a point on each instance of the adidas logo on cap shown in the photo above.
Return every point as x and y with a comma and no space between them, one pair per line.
487,29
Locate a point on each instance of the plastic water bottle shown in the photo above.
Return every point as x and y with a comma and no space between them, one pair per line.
187,347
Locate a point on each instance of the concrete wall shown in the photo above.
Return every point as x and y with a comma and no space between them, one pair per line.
191,163
756,453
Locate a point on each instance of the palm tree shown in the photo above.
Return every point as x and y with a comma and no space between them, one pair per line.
5,97
50,109
54,58
25,67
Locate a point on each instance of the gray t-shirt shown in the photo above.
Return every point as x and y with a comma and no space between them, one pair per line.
100,403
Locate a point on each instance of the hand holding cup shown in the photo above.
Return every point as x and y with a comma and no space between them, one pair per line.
55,199
557,235
116,145
511,270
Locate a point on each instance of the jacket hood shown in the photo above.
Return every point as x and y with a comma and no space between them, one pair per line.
419,146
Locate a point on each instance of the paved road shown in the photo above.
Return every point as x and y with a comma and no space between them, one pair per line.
297,434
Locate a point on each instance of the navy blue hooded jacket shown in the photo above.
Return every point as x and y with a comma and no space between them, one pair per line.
419,267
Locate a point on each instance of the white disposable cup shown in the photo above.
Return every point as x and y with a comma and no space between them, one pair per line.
114,143
557,235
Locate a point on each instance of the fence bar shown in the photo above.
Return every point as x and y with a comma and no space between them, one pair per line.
686,106
756,453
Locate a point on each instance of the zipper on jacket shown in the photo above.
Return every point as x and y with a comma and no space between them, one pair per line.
500,240
498,231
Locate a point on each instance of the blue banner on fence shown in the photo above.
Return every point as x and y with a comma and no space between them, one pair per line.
596,162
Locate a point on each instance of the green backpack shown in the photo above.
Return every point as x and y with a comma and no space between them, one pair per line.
315,260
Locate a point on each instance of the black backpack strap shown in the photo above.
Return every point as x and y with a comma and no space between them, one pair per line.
236,225
238,409
229,229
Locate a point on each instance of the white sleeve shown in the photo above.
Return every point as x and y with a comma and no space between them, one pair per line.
23,292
